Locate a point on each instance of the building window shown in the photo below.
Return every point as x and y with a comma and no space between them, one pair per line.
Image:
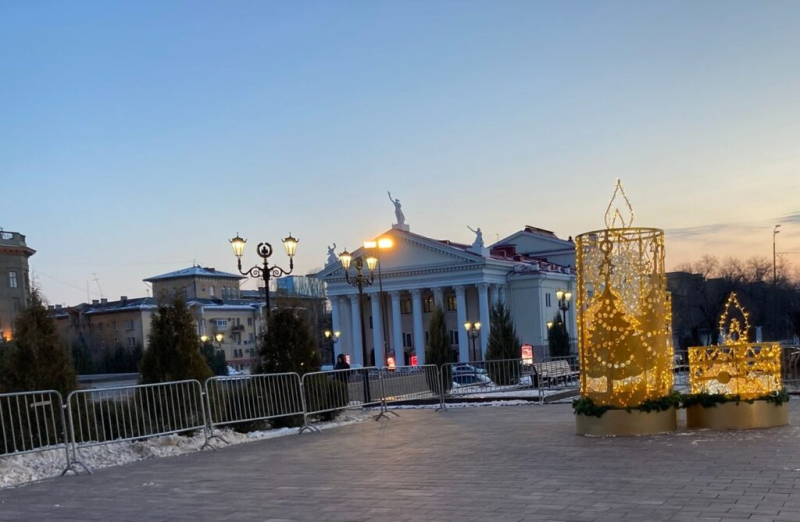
12,279
211,291
249,321
252,337
185,293
131,342
453,337
16,304
405,306
451,303
427,304
408,340
547,300
129,325
114,325
220,323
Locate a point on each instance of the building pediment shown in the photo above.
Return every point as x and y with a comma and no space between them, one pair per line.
411,253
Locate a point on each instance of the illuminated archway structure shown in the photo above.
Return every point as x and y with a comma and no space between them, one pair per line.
623,315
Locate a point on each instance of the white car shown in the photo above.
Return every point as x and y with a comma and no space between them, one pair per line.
234,371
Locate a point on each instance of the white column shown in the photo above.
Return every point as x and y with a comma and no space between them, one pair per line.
397,330
438,297
461,313
377,331
336,325
494,294
502,294
483,308
355,313
419,333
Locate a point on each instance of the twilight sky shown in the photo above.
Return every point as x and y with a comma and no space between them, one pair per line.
137,137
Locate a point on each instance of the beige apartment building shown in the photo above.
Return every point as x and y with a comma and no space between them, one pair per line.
15,286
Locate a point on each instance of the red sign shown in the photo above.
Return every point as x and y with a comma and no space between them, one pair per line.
527,354
413,360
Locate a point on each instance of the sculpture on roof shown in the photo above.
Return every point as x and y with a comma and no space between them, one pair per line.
478,243
398,212
332,257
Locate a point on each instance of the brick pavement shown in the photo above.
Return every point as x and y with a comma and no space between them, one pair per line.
493,464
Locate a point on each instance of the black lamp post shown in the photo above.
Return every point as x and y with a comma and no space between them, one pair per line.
564,297
473,330
333,337
376,246
360,281
265,271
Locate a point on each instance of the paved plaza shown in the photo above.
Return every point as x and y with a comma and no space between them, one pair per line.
490,463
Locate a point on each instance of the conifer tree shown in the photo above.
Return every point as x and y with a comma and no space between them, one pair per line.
287,345
558,338
173,353
38,360
438,351
214,358
503,344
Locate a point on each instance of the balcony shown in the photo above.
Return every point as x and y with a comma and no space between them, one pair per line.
237,328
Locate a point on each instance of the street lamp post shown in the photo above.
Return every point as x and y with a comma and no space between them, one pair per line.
333,337
265,271
376,246
775,232
473,331
360,281
564,298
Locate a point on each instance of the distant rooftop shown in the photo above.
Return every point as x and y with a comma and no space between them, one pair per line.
194,271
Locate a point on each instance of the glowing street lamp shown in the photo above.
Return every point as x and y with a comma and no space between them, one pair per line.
376,245
473,331
265,271
360,281
333,337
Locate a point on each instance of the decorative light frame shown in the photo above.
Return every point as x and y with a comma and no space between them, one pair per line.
624,318
736,366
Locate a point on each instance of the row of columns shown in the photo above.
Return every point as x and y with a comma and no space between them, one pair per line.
418,330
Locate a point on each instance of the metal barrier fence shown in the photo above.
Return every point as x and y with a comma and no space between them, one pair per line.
406,383
333,390
250,398
33,422
790,367
110,415
512,377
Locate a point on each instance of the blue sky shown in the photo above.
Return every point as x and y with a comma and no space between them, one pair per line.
136,138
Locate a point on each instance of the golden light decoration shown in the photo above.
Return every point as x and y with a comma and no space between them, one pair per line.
623,311
736,366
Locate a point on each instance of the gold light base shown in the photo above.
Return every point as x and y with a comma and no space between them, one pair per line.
742,416
620,423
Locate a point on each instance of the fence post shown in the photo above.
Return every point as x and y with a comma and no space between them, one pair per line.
306,425
438,377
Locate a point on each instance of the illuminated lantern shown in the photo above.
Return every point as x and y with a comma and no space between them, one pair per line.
623,311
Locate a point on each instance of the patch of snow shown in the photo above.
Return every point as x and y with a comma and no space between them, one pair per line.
457,405
31,467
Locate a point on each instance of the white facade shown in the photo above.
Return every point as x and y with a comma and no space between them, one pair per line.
463,280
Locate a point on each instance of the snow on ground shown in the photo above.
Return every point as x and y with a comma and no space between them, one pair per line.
456,405
31,467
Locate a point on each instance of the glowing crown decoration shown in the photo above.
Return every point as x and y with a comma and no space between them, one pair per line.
736,366
623,310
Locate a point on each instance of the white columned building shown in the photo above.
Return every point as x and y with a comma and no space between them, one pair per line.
524,271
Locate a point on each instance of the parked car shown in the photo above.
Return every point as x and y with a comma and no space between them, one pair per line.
467,369
471,379
234,371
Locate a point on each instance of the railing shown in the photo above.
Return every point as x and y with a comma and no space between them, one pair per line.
411,382
250,398
464,379
556,374
330,391
32,422
790,367
112,415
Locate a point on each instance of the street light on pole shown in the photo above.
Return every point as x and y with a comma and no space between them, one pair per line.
360,281
383,243
473,331
333,337
265,271
564,297
775,232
